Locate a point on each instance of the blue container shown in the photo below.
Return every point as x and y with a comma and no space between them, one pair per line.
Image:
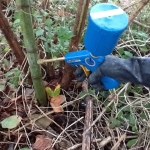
106,23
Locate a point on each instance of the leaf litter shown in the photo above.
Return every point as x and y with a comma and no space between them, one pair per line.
11,122
23,126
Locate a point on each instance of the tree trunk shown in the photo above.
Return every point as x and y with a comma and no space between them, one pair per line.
12,40
78,28
32,55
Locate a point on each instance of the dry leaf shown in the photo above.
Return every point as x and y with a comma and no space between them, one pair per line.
56,103
42,143
43,122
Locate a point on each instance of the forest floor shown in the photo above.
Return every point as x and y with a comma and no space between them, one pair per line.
121,117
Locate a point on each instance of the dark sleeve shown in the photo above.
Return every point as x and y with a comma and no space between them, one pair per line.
135,70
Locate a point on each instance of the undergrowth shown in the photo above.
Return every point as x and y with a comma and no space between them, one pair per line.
127,117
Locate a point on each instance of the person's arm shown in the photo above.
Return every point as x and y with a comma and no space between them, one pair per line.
135,70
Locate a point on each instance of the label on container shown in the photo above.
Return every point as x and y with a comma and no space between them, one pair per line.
108,13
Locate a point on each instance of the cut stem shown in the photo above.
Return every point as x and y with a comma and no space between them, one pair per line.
42,61
32,56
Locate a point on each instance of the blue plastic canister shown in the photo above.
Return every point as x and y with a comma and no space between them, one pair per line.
106,23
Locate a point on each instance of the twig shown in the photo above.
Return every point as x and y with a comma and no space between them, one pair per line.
78,29
66,129
104,142
54,123
137,11
140,24
118,142
12,40
51,112
86,142
87,132
101,144
18,141
9,142
100,115
75,146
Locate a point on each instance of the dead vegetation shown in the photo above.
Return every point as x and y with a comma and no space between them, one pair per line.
110,120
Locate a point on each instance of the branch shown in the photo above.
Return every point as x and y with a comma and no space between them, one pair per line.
30,44
78,28
140,24
12,41
137,11
86,142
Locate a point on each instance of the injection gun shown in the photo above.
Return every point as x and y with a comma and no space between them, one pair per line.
106,23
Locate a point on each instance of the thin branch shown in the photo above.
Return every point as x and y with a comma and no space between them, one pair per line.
86,142
101,144
143,3
140,24
12,41
115,147
49,113
78,29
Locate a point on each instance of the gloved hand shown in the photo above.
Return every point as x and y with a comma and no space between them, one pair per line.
135,70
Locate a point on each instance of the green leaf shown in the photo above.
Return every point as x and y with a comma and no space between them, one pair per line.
49,91
52,93
144,116
143,34
14,72
82,94
46,46
121,51
11,122
43,38
131,142
17,21
114,123
109,108
6,49
104,94
144,49
147,105
16,15
57,91
2,84
132,120
39,19
44,13
48,22
126,109
8,74
140,34
39,32
134,129
120,115
90,92
24,148
47,28
128,54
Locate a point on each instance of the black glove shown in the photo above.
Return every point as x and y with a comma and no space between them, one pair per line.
135,70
